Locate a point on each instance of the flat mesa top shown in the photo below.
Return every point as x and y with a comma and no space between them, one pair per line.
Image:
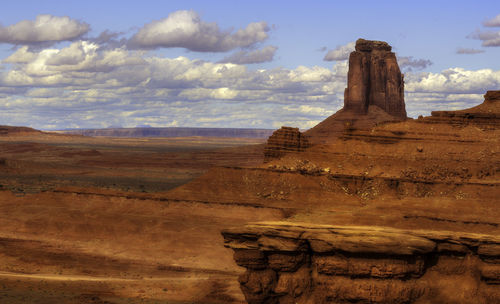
491,96
363,45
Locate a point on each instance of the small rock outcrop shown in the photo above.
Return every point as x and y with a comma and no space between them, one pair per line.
374,78
307,263
492,96
11,130
283,141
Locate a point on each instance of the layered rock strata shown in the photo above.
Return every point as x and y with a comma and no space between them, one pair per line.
283,141
307,263
374,78
486,114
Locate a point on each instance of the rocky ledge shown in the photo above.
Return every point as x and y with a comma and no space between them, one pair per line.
307,263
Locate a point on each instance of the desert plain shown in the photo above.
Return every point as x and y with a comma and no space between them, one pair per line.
88,220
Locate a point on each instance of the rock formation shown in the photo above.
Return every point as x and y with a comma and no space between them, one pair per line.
400,212
283,141
374,93
307,263
374,78
410,212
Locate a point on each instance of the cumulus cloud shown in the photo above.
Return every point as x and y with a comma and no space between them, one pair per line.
84,84
22,55
87,85
493,22
265,54
489,38
454,81
423,103
185,29
340,53
468,51
51,64
409,63
45,28
451,89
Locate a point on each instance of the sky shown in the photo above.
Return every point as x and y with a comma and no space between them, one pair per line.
235,64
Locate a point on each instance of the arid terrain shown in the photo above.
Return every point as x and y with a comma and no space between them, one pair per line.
379,209
85,220
367,207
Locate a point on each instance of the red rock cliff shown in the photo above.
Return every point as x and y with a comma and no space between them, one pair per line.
307,263
374,78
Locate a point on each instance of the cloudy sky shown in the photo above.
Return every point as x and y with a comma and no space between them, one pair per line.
249,64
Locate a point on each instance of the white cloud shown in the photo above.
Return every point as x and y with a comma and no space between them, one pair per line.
312,74
84,84
185,29
80,56
324,110
455,80
248,57
22,55
493,22
45,28
340,53
451,89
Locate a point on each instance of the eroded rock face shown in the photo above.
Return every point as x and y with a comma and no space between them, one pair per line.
283,141
374,78
307,263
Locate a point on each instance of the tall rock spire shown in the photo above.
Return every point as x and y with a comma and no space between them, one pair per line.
374,78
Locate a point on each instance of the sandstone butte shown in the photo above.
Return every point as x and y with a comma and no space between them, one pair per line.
377,208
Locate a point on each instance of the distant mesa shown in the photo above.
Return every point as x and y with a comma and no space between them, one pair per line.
173,132
486,114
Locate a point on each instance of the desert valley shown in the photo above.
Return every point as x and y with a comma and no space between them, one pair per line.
368,206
